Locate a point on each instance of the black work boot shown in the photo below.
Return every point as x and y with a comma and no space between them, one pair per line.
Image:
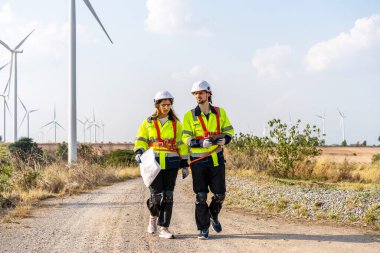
216,224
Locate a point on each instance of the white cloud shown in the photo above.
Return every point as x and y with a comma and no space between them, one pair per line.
272,62
365,34
5,14
172,16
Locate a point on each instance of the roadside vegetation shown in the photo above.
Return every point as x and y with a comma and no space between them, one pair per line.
29,174
281,174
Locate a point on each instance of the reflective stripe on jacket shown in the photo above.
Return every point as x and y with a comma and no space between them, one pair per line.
192,129
147,136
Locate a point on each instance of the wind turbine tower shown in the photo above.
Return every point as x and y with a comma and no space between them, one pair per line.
342,117
323,118
72,133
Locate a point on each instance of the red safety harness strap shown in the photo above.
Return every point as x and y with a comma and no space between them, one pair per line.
207,135
165,144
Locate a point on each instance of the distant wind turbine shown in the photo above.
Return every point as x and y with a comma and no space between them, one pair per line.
323,118
84,123
342,117
72,136
5,97
14,53
55,123
27,115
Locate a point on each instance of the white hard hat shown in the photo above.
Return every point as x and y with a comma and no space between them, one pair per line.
201,85
162,95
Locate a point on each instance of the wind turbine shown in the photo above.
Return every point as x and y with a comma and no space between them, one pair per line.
5,96
72,136
93,124
14,53
84,128
323,118
27,115
342,117
55,123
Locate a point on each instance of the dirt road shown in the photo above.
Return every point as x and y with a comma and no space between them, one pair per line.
114,219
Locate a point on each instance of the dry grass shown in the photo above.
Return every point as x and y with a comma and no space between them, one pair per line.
58,180
23,210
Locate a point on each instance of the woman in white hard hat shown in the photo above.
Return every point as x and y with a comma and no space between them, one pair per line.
163,132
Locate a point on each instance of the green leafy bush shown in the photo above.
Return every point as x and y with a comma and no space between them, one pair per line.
25,152
287,149
120,158
376,158
62,151
291,145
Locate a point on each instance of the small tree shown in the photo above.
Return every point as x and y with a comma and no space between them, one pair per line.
364,144
26,152
62,151
344,143
290,145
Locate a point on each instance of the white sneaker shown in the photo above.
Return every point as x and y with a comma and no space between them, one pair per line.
165,233
152,227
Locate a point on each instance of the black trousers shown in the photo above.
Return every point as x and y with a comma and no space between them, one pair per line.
160,202
205,178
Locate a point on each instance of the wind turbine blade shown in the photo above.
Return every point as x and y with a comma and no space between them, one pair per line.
59,125
80,121
31,111
47,124
22,121
10,77
341,114
4,66
6,105
22,42
5,45
87,2
23,105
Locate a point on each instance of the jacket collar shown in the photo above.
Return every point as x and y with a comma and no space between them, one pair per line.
156,118
198,110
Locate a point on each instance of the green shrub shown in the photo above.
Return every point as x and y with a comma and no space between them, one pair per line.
376,158
120,158
5,174
25,152
290,145
62,151
284,154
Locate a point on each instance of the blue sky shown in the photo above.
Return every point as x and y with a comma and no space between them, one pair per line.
264,60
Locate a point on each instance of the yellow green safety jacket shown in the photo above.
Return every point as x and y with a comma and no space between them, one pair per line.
196,126
165,140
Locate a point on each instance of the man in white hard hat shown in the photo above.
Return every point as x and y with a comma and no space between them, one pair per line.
206,129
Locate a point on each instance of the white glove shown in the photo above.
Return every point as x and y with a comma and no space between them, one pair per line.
185,172
221,141
206,143
137,158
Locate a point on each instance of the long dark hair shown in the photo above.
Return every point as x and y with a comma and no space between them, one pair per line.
171,112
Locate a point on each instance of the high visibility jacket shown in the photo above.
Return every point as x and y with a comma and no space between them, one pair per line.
197,126
168,146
